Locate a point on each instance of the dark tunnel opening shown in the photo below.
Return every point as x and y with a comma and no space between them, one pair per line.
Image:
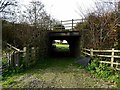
60,48
69,49
72,46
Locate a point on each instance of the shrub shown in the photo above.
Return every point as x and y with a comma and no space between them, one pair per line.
103,71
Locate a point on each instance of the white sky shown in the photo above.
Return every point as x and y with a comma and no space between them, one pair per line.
66,9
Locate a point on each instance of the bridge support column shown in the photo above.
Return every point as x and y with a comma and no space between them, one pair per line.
74,45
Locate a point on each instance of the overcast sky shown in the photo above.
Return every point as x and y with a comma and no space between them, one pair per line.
67,9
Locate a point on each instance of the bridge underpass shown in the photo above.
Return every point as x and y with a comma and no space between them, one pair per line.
72,37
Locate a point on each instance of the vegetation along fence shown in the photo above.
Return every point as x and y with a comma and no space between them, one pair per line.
113,54
14,57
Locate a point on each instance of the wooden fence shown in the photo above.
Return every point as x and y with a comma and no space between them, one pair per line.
112,54
11,57
14,56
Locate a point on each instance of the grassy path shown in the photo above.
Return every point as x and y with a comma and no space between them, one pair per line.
56,73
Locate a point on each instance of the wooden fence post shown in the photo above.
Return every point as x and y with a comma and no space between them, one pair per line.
24,51
91,52
13,59
33,52
33,55
112,57
36,52
17,58
25,55
9,57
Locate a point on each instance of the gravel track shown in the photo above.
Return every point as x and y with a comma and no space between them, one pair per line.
54,77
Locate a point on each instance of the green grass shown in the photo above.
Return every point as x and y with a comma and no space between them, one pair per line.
62,47
104,71
54,64
54,72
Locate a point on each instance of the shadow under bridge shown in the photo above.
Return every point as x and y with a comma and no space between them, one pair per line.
72,37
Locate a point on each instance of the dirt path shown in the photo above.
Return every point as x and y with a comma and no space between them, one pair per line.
56,73
54,77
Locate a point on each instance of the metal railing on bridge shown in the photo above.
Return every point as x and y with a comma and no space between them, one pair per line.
66,24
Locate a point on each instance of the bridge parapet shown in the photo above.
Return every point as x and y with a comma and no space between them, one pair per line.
68,25
64,33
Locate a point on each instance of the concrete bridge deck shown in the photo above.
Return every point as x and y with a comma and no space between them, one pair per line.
64,33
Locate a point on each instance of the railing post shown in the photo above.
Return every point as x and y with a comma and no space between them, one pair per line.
50,25
91,52
82,20
72,24
112,57
61,25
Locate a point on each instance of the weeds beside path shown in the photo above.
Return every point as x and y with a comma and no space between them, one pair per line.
56,73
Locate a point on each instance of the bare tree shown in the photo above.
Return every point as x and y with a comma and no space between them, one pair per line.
6,3
36,15
101,25
32,22
8,10
118,26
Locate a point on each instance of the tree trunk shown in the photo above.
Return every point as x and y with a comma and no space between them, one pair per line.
118,28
